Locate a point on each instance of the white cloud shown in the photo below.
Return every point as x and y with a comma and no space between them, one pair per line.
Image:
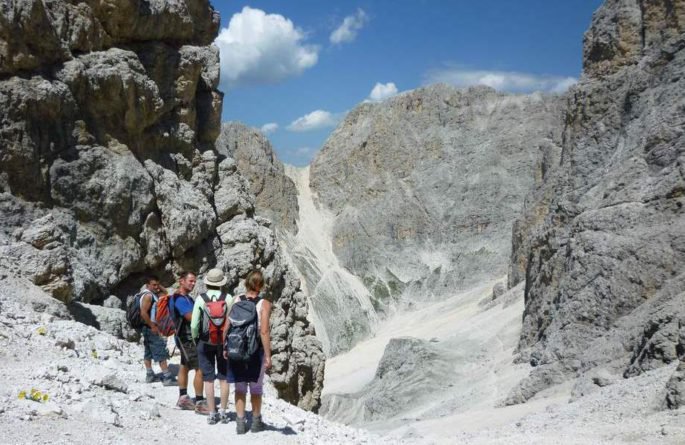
313,121
303,151
259,48
510,81
348,29
269,128
382,91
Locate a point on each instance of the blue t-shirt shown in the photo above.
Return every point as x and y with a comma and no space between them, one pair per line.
183,305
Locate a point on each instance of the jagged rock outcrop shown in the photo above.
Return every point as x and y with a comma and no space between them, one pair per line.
275,194
423,190
601,244
409,369
108,116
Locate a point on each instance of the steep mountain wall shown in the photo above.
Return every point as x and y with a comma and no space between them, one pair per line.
275,194
601,244
283,194
108,116
423,190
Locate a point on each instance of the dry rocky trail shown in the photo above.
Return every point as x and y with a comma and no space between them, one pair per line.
454,266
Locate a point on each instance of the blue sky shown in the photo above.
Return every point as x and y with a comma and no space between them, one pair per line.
296,67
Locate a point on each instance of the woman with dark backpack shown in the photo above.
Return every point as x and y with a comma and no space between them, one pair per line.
248,349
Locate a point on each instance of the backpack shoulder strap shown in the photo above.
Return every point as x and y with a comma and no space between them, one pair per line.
222,297
243,297
205,297
177,317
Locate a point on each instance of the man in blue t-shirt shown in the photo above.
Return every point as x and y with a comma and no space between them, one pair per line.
183,311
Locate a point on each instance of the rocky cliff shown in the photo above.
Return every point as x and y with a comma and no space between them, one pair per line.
423,190
601,244
108,116
275,194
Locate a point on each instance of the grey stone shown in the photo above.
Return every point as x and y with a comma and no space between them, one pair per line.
110,320
110,171
601,243
112,383
186,214
232,196
275,193
113,302
405,362
423,189
675,388
50,409
498,290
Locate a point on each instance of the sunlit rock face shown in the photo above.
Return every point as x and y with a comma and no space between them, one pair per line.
601,244
109,112
424,187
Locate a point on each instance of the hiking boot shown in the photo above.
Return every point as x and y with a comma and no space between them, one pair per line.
169,381
185,403
213,418
240,425
150,377
257,424
201,408
225,418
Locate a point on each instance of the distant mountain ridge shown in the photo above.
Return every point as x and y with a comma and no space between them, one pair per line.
424,193
422,190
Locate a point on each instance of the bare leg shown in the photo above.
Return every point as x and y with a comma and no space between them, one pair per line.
148,364
256,400
225,388
198,383
209,392
183,377
240,405
164,366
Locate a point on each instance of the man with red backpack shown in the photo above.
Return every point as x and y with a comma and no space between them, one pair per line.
208,325
153,342
183,311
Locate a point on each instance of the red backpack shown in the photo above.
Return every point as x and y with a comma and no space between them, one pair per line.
164,315
213,319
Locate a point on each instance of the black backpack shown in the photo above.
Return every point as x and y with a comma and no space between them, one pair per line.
242,341
133,317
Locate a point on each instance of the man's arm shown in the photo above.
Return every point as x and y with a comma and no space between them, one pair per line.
265,332
195,319
145,306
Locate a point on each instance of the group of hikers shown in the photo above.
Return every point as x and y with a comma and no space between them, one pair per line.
218,336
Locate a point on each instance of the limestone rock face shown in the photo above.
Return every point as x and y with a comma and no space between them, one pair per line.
601,243
424,187
675,388
109,112
275,194
406,362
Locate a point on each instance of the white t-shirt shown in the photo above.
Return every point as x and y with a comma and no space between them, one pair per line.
259,309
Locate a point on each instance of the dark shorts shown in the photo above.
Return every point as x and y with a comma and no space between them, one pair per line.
188,353
244,372
256,388
212,361
155,346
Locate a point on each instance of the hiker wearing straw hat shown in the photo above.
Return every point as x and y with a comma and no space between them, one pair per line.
207,327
